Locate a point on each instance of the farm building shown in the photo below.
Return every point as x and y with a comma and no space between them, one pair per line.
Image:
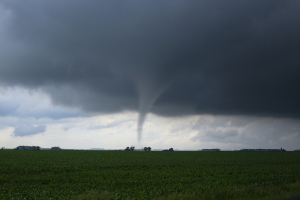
27,148
55,148
210,150
259,150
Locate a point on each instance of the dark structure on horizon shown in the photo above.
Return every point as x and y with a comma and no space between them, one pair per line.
210,150
171,149
55,148
27,148
147,148
264,150
129,149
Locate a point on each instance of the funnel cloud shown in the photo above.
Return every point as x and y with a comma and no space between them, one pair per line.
169,58
148,93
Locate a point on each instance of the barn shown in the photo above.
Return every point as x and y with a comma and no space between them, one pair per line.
27,148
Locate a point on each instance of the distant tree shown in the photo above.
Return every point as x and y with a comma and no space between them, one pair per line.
171,149
147,148
130,148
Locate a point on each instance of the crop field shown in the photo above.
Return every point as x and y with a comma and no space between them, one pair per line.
148,175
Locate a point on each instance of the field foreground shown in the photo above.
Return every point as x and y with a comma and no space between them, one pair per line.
148,175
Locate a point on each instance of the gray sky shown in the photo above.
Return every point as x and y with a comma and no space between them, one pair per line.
208,73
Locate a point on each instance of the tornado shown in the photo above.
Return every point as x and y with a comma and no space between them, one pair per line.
148,94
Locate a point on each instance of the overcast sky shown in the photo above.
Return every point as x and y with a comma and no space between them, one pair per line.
172,73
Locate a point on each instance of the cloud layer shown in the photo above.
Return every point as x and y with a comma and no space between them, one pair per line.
117,131
26,130
171,58
219,57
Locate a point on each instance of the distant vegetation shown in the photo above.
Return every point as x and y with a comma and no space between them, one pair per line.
130,148
147,148
27,148
281,149
148,175
171,149
210,150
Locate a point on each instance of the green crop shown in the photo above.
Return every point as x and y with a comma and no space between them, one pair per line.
148,175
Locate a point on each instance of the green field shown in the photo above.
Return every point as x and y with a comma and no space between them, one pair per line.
148,175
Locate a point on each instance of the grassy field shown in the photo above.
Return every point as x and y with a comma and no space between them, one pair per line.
148,175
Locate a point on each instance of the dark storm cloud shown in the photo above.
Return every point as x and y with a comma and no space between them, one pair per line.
186,57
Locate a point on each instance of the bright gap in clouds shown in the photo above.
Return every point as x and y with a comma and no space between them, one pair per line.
29,118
